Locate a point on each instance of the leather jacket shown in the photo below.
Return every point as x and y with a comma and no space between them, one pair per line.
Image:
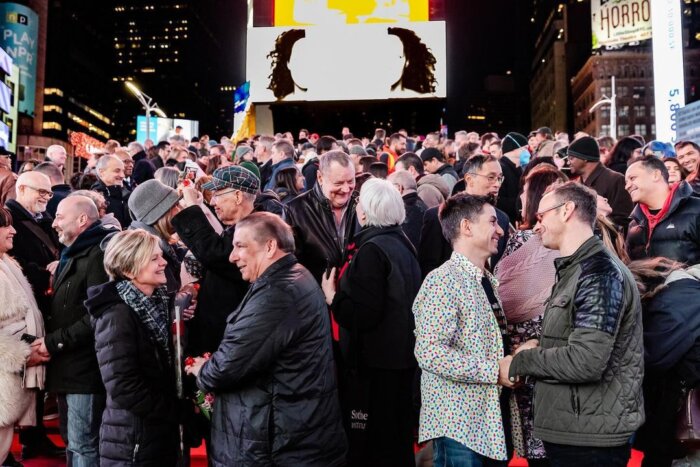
318,244
589,366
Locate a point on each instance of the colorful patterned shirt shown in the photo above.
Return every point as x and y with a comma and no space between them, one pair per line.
458,346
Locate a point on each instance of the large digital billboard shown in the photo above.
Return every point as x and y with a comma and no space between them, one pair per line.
326,50
19,36
619,22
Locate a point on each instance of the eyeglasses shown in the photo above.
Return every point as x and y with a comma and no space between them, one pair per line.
490,178
539,215
219,195
42,193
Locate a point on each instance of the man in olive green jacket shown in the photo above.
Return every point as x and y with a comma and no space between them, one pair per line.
589,364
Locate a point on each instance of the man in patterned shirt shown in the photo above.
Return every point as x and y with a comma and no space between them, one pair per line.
459,344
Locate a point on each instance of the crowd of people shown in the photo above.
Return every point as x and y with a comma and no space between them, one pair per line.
387,301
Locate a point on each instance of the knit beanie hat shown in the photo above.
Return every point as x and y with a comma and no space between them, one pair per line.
242,151
252,166
585,148
513,141
151,200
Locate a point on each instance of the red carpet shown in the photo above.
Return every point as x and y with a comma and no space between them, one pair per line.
199,454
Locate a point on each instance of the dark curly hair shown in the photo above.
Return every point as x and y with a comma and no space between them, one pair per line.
419,69
281,81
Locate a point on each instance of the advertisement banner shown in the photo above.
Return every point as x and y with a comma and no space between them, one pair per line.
619,22
669,85
19,33
286,63
160,129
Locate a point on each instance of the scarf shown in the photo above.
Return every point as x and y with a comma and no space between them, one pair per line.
153,312
654,219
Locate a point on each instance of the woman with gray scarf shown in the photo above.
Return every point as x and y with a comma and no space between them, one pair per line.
131,318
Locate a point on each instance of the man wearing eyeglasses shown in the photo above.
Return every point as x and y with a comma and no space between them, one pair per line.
482,177
7,177
589,364
35,247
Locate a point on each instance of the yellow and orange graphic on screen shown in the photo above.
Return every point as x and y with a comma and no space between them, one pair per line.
324,12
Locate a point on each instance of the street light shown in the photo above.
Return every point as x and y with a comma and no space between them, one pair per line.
613,108
148,105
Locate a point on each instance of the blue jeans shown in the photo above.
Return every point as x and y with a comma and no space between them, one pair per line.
81,417
561,455
450,453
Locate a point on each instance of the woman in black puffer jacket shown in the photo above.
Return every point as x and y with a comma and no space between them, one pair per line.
134,350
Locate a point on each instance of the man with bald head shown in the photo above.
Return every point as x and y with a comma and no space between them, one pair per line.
110,174
35,248
57,154
72,373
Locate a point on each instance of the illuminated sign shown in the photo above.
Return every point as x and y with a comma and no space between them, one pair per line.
5,98
19,34
619,22
669,86
160,129
307,50
5,62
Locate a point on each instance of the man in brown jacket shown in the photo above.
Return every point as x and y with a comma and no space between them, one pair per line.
584,158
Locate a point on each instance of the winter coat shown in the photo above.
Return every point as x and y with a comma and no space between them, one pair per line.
672,359
374,299
140,421
35,246
69,337
222,286
415,211
274,378
283,164
590,363
449,174
310,172
14,398
117,198
434,248
676,236
611,186
317,241
8,179
60,192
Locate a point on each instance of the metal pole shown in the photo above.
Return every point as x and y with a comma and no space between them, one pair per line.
613,111
148,124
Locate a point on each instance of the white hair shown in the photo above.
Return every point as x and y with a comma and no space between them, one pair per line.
55,149
381,203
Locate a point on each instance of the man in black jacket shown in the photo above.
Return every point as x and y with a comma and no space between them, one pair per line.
584,160
324,218
513,147
73,373
482,177
222,288
666,220
414,206
277,402
35,248
110,171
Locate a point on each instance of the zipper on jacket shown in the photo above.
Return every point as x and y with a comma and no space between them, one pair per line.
136,451
65,296
575,402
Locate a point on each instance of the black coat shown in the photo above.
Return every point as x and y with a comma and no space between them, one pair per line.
611,186
671,321
318,244
69,337
510,189
140,421
274,378
434,248
310,173
35,246
677,236
143,168
222,286
117,198
374,299
415,211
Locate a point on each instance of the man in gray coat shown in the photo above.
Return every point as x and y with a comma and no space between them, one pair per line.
589,365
